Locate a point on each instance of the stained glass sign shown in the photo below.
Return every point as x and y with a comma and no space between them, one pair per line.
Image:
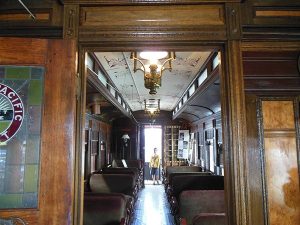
21,101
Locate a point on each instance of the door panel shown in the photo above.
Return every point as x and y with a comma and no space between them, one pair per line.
56,167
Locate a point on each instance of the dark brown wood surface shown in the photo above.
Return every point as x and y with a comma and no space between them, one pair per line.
254,172
271,71
58,125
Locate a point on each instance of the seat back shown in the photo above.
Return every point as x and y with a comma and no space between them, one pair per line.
175,174
136,163
103,209
194,202
112,183
174,169
121,170
196,182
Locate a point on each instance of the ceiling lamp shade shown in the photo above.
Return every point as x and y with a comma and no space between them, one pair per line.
152,68
152,107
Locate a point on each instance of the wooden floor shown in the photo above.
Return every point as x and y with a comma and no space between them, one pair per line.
152,207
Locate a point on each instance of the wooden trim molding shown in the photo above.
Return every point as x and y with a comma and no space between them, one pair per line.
71,17
25,17
271,46
142,2
277,13
234,123
233,13
279,133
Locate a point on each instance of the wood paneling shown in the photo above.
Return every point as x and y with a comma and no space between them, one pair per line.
233,118
15,21
58,125
271,70
282,180
274,63
142,2
271,12
270,19
281,165
33,51
152,16
278,115
163,22
57,156
23,17
277,13
255,181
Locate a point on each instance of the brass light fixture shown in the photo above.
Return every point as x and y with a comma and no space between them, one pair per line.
152,107
152,71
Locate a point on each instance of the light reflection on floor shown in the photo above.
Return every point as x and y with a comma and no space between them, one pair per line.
152,207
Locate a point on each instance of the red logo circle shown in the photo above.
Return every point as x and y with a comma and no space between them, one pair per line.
11,112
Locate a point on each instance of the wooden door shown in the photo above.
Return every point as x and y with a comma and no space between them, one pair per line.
45,182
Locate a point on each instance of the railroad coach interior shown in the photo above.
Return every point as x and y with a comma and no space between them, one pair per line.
88,89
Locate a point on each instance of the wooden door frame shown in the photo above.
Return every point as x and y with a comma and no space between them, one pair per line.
233,112
225,37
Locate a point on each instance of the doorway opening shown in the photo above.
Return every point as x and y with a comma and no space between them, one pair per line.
198,110
153,139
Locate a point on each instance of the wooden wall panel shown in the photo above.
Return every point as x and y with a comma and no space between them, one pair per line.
281,165
58,125
19,52
278,115
58,131
271,12
161,22
271,71
103,132
254,170
152,16
270,19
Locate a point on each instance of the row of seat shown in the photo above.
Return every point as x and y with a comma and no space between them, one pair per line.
111,194
196,197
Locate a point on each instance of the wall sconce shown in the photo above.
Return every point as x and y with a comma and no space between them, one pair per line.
152,70
125,139
152,107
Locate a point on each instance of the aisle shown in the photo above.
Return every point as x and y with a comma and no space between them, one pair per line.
152,207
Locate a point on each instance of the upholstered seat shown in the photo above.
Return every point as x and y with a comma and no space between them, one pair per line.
199,206
105,209
113,183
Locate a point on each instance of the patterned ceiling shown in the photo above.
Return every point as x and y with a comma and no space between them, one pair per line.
119,67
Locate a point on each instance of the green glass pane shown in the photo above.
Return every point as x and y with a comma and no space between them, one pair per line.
35,92
37,73
32,152
31,178
4,125
17,73
11,201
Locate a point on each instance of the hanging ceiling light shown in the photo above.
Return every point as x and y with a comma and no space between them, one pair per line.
152,107
152,68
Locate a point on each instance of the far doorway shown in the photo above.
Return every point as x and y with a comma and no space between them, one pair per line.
153,139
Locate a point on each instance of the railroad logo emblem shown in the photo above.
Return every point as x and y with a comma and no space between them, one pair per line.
11,112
